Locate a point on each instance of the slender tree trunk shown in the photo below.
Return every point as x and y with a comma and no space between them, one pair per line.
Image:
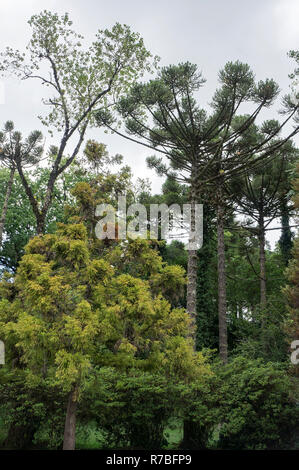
70,421
40,220
192,284
221,285
262,262
5,205
190,428
192,274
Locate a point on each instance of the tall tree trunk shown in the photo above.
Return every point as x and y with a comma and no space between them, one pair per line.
221,285
69,439
191,287
262,262
5,205
190,429
192,274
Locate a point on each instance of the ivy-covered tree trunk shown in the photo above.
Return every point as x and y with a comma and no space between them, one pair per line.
207,314
5,205
221,285
263,288
69,439
285,241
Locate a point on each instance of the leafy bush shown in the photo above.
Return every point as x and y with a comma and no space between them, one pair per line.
256,409
132,409
32,417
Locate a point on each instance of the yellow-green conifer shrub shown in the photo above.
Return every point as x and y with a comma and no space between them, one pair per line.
71,312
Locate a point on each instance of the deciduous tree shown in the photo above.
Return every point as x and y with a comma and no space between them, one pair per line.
79,80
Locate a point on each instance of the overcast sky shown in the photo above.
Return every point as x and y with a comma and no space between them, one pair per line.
206,32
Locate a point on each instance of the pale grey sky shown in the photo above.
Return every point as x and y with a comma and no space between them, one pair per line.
206,32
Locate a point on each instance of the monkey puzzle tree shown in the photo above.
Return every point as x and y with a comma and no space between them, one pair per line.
287,208
14,151
202,147
79,80
292,289
259,194
20,223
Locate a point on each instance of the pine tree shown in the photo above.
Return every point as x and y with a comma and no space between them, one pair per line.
203,150
13,152
292,290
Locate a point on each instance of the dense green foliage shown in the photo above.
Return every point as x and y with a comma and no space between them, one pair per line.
101,349
256,407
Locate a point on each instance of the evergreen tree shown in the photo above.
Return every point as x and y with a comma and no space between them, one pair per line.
204,151
292,290
13,152
259,194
